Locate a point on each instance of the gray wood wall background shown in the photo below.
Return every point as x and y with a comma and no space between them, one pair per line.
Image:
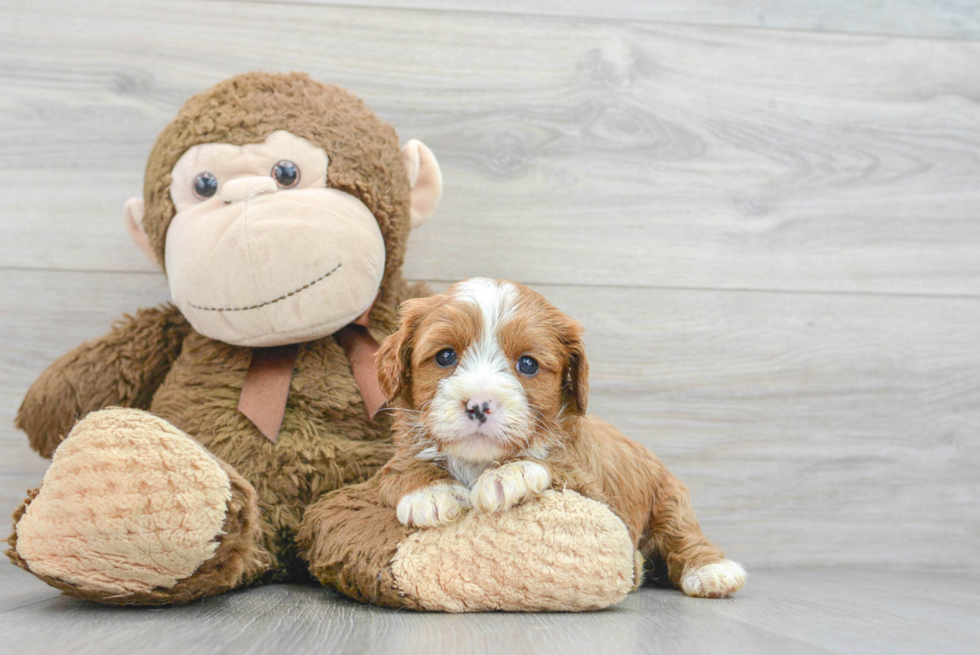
765,213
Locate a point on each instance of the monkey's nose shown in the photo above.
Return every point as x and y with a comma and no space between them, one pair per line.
477,409
246,188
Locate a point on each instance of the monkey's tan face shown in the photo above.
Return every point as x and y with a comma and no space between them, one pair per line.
261,252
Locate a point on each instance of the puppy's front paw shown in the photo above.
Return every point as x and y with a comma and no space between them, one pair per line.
433,506
715,580
505,486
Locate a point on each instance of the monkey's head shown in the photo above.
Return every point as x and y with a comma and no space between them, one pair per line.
279,208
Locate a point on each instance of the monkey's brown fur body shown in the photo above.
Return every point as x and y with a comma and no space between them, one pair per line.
306,504
325,443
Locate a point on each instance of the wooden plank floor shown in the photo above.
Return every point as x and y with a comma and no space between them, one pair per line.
623,153
767,215
797,611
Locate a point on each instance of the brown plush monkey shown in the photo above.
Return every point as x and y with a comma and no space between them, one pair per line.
226,439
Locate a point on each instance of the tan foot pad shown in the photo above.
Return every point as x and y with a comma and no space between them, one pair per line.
129,504
561,552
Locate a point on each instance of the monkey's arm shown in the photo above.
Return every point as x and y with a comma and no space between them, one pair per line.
123,368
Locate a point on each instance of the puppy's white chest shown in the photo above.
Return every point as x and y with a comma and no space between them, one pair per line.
466,472
463,471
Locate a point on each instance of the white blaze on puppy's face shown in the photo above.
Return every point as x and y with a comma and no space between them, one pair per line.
484,380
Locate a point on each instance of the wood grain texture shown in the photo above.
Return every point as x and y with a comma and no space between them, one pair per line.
798,611
956,19
811,428
621,153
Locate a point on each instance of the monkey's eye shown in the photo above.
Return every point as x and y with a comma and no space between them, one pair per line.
527,365
446,357
286,174
205,185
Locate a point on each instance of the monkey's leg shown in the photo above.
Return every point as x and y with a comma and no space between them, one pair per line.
694,564
558,552
135,512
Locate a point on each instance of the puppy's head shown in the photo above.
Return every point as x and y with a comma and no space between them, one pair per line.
490,367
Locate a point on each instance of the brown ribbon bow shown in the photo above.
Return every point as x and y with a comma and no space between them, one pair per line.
266,387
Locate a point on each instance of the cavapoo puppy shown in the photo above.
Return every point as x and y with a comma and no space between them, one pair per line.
489,383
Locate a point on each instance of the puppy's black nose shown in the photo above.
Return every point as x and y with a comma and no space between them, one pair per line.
478,410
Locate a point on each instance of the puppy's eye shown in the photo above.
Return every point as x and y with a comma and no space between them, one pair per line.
205,185
446,357
527,365
286,174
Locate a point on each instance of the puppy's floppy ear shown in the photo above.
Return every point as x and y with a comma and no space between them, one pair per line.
394,357
575,378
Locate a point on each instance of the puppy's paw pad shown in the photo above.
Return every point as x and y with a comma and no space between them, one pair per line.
715,580
433,506
501,488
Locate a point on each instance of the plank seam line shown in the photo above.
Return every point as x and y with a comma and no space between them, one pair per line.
667,287
36,602
625,287
618,21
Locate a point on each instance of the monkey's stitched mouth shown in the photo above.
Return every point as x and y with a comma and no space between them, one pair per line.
268,302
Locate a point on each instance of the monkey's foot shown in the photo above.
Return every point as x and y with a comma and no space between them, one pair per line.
133,511
715,580
558,552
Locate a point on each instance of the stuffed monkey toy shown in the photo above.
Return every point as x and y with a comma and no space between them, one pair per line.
229,438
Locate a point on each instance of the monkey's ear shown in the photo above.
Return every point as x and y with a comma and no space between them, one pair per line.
425,179
133,214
